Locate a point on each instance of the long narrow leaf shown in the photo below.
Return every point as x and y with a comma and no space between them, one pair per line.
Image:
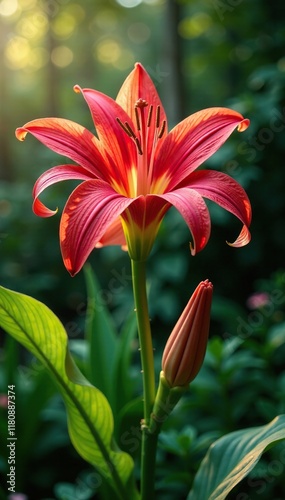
232,457
124,385
102,339
90,419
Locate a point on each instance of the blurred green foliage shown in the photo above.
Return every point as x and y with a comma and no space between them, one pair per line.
199,54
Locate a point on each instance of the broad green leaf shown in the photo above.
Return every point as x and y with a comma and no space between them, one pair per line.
90,419
102,339
232,457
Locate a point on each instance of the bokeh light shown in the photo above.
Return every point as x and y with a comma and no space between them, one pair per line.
64,25
33,26
129,3
8,7
194,26
108,51
17,52
62,56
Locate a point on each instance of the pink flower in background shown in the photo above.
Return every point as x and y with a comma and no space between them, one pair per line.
134,170
258,300
3,401
18,496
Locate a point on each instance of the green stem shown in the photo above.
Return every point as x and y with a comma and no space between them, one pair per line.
149,441
149,445
146,349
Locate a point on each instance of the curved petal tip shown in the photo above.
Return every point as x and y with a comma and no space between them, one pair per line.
21,133
41,210
243,125
77,89
243,238
192,249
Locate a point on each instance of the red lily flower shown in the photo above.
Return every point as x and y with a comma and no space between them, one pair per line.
133,171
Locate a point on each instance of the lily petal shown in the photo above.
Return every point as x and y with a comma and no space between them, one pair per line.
90,210
52,176
41,210
120,150
139,85
243,238
195,213
113,236
68,139
193,141
227,193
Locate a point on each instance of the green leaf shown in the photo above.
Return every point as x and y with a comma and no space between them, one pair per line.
102,339
90,419
124,383
232,457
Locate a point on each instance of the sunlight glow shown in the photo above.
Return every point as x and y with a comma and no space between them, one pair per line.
17,52
129,3
108,51
33,26
8,7
63,25
28,4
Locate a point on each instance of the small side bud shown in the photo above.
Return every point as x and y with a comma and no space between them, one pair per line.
186,347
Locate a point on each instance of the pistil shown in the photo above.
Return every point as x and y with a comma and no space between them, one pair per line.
141,135
142,187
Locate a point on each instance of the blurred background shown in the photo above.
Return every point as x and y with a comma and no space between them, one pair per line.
199,54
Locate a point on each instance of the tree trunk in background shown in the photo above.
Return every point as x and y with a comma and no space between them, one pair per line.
173,56
233,67
52,81
6,169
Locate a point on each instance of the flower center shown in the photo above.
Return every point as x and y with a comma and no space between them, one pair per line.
149,129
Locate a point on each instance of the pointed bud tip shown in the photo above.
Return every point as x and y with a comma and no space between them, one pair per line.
206,284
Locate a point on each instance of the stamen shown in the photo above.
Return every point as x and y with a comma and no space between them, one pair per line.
138,145
149,115
157,119
161,132
130,130
126,129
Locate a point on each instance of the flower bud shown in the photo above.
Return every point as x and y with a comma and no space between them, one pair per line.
185,349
